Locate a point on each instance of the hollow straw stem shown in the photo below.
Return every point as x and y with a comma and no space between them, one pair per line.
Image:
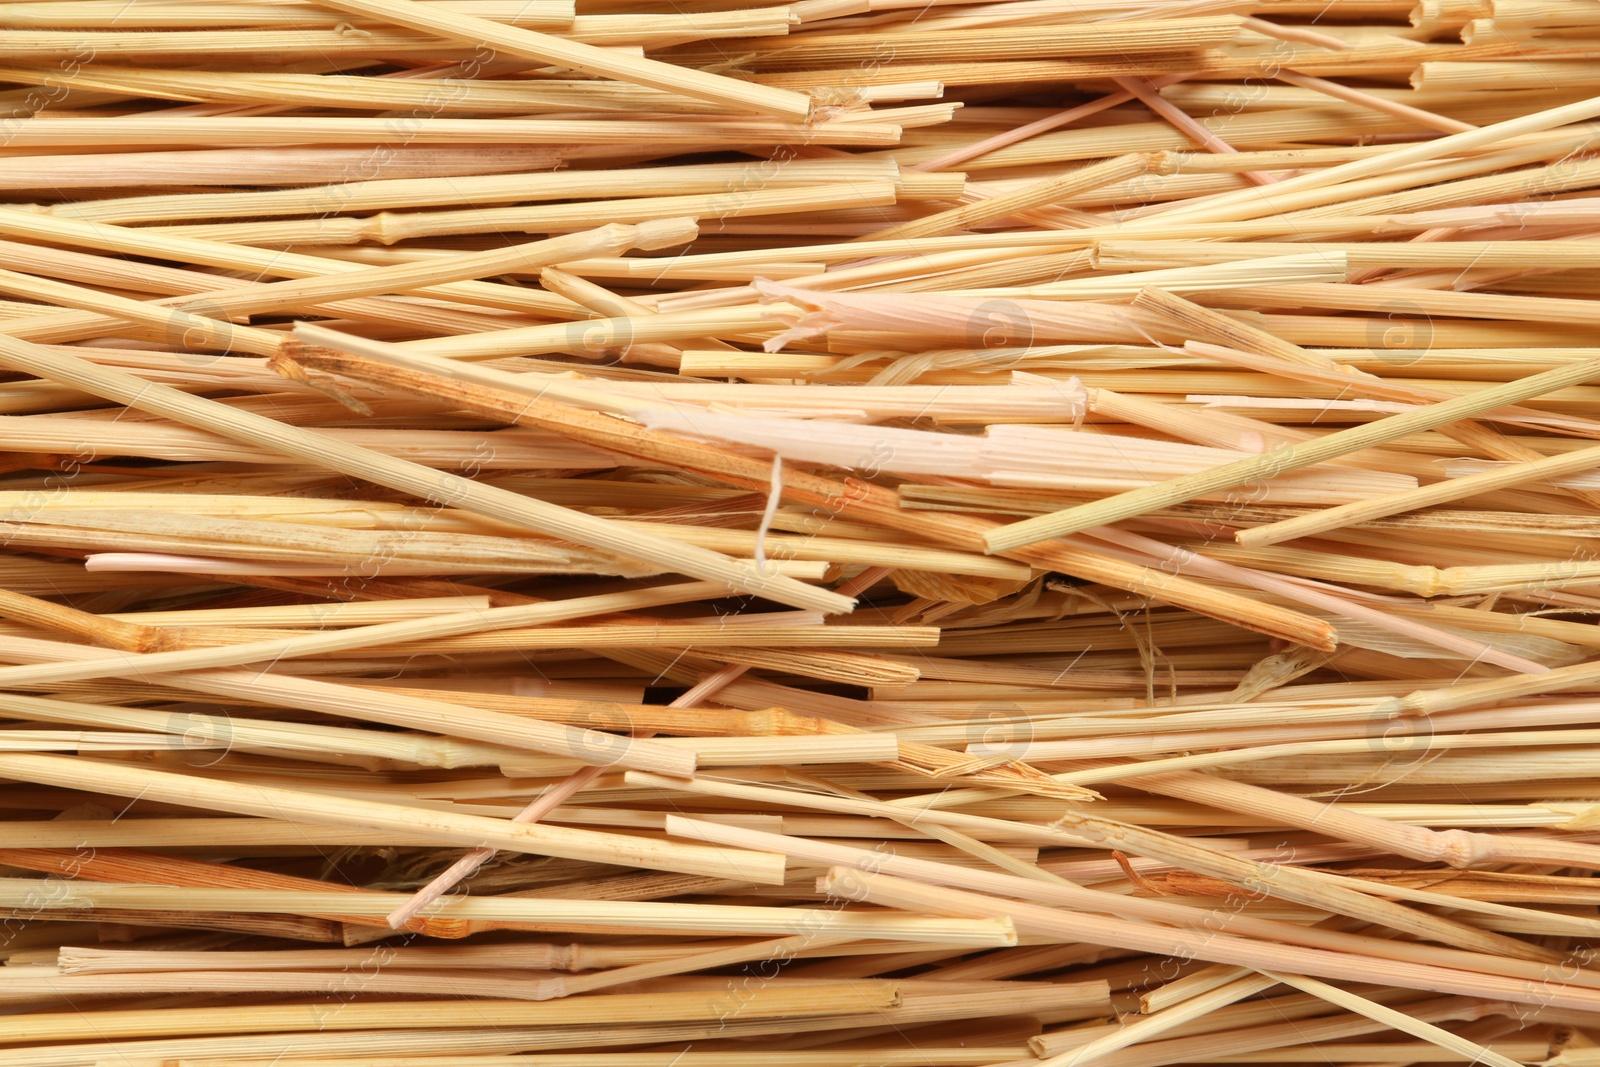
1471,434
385,193
1036,194
390,226
606,1009
41,984
1253,203
573,55
205,331
1178,557
108,632
1037,920
1477,693
397,708
193,320
1044,125
1197,322
542,910
1283,458
1399,1020
1150,1025
543,804
1458,848
1334,518
260,262
537,955
488,390
436,486
447,827
1426,119
1257,878
782,949
230,732
650,135
610,239
377,635
129,865
1185,124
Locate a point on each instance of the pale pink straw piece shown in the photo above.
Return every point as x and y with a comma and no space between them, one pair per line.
1377,103
1186,560
1578,211
1422,118
1181,121
544,804
1292,33
1033,129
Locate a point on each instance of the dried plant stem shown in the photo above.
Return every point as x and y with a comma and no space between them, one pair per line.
431,485
541,806
1284,458
390,227
265,262
400,709
1458,848
194,729
781,948
610,1008
119,866
1077,898
1160,1022
1048,191
276,803
418,463
1033,918
1254,203
480,386
666,134
549,913
1398,1019
739,96
381,194
1426,496
273,650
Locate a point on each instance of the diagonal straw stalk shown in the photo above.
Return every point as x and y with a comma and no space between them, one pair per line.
1221,948
1399,1020
531,44
274,650
1148,1026
556,407
435,486
446,827
541,806
1283,458
1316,522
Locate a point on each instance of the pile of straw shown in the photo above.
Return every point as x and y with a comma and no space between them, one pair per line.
814,534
